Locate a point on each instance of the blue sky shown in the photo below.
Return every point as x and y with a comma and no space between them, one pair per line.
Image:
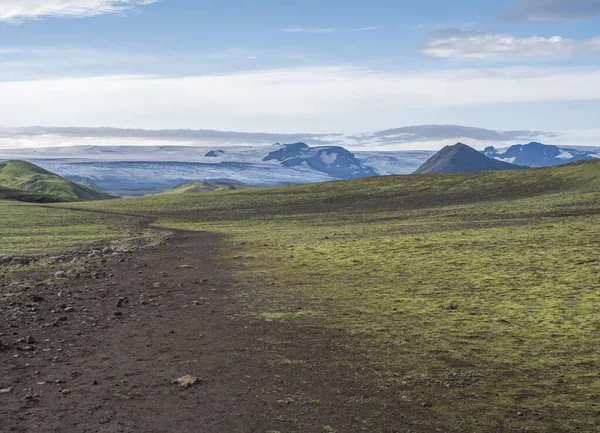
312,66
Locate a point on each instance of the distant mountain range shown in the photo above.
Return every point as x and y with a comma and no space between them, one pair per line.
462,158
539,155
136,170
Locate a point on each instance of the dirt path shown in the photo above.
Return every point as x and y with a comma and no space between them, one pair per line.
108,346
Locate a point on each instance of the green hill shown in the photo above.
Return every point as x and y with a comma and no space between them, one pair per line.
461,158
204,186
22,177
11,194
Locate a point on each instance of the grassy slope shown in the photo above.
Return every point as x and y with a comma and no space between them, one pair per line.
476,292
11,194
24,176
203,187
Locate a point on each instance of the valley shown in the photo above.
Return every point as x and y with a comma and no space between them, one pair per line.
452,302
142,170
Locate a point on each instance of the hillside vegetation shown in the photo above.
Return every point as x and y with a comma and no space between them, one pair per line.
29,178
204,186
468,301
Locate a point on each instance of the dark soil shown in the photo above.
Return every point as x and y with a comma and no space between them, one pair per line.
107,345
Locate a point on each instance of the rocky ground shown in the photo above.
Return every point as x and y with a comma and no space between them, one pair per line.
96,342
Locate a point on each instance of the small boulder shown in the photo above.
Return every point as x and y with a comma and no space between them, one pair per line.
187,381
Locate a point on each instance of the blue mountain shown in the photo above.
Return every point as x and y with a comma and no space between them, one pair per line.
537,155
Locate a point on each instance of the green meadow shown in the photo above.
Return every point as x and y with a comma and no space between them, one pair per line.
478,293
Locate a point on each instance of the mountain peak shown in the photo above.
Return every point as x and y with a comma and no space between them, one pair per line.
463,158
536,154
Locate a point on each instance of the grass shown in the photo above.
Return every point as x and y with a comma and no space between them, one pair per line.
28,229
204,187
283,315
475,292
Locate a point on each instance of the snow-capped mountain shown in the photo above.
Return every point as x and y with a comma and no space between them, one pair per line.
334,161
539,155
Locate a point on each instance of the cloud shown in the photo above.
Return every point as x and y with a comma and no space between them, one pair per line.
308,30
71,135
22,10
368,29
424,136
442,132
284,100
461,44
551,10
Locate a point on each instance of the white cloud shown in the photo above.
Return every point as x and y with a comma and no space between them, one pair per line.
21,10
308,30
461,44
368,29
286,100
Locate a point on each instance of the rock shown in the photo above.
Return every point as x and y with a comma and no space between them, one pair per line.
5,259
118,314
30,340
26,348
5,390
20,261
427,404
60,274
69,309
37,298
119,304
451,307
65,391
107,251
187,381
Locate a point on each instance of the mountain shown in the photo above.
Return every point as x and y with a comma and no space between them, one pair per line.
137,170
214,154
537,154
204,187
24,177
462,158
335,161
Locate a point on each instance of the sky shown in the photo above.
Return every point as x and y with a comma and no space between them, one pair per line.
310,68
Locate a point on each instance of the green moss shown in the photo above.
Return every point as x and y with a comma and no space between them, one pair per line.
28,229
476,292
275,316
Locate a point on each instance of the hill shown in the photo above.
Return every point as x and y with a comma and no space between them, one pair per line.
461,158
538,155
204,187
27,180
11,194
